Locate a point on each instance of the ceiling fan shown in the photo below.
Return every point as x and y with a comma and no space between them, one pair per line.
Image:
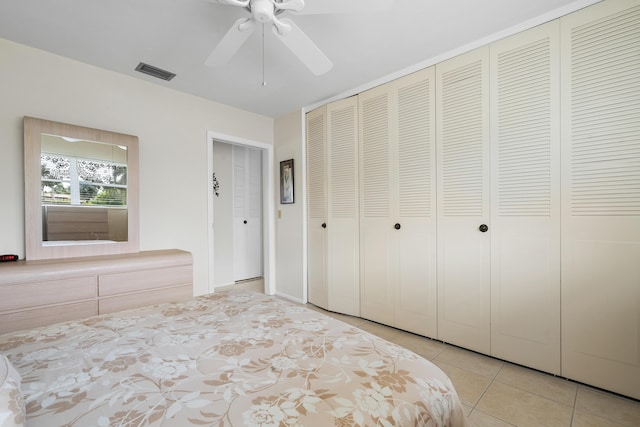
269,12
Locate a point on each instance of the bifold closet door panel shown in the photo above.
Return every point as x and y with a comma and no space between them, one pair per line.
601,196
343,225
317,207
415,175
254,213
525,193
378,250
240,203
247,212
464,258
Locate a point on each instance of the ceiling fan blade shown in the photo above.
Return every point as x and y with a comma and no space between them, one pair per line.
241,3
313,7
302,46
231,42
295,5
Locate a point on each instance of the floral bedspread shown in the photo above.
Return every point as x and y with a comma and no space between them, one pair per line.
234,358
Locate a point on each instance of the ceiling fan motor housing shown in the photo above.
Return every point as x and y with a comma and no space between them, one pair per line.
262,10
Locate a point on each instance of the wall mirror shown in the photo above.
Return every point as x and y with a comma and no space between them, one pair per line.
81,191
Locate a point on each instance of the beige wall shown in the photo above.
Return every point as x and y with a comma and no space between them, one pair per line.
290,231
171,126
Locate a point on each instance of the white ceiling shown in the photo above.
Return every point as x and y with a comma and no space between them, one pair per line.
178,35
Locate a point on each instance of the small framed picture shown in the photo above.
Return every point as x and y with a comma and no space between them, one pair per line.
286,181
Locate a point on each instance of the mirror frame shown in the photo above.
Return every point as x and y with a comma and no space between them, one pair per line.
34,248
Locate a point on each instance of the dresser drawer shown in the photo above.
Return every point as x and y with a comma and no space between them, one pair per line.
118,283
141,299
33,294
32,318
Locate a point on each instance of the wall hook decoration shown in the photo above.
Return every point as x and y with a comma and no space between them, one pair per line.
216,186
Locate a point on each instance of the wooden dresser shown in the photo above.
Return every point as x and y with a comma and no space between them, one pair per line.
38,293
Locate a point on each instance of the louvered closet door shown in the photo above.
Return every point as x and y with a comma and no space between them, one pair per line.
601,196
525,191
316,207
377,244
462,110
415,288
397,235
343,224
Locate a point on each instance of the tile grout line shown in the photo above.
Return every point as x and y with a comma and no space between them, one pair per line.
542,396
575,404
488,386
474,408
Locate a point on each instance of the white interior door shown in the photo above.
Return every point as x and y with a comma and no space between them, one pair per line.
601,196
247,212
464,262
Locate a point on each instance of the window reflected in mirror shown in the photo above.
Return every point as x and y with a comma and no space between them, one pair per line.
83,190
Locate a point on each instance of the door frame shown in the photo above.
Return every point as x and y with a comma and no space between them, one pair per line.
268,207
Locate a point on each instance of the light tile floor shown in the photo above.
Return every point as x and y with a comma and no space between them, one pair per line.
498,393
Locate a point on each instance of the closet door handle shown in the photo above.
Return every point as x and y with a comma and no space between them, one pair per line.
245,221
483,228
397,226
324,225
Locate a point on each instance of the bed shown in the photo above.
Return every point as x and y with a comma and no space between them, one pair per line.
234,358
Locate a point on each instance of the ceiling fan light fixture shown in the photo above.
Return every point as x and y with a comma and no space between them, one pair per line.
155,71
262,10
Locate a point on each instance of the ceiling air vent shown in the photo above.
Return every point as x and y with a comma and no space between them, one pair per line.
155,71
